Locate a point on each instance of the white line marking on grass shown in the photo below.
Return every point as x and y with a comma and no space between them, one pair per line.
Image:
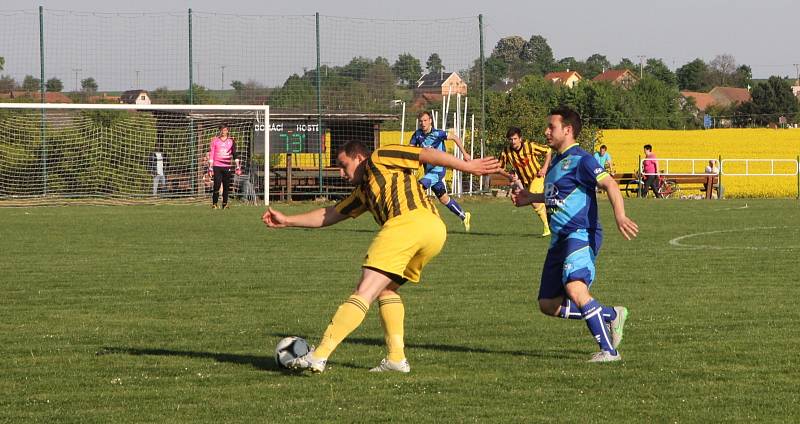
678,241
734,208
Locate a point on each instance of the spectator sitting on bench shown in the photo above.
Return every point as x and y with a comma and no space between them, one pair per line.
712,169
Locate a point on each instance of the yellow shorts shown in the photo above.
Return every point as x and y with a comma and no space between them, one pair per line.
406,243
536,186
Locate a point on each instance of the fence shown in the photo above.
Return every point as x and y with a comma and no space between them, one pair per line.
689,167
327,79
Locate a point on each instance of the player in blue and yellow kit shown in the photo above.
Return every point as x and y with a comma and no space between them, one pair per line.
430,137
411,234
568,272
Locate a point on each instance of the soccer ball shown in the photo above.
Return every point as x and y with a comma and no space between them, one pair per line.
290,348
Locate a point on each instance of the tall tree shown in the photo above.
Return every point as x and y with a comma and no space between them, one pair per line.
434,63
771,100
692,76
595,65
2,62
89,85
743,77
625,63
509,49
537,52
407,69
660,71
722,69
31,83
54,85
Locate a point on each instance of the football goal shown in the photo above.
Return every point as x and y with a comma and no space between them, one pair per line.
60,153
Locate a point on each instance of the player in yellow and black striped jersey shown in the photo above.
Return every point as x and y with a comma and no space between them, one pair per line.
411,234
529,161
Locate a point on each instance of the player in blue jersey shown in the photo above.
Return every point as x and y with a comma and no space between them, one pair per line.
569,271
430,137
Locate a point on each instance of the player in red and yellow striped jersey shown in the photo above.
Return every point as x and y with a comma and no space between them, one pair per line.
411,234
526,157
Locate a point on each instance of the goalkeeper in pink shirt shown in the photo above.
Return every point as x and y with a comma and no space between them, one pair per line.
221,160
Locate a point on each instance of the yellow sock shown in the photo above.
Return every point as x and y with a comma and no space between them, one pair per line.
542,212
392,315
346,319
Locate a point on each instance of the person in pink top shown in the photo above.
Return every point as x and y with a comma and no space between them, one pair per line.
650,171
221,159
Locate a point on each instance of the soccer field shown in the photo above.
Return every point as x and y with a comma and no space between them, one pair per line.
171,313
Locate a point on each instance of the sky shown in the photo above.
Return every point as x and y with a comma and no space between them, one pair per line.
759,34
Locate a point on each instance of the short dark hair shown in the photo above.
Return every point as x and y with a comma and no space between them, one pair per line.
224,125
512,131
604,147
569,118
648,147
353,148
424,112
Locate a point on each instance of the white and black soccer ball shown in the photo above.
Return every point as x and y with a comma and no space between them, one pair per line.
290,348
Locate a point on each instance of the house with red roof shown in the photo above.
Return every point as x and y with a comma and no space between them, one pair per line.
567,78
621,77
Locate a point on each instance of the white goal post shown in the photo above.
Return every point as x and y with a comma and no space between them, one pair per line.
125,152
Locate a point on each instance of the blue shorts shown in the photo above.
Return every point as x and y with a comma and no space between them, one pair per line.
434,180
571,258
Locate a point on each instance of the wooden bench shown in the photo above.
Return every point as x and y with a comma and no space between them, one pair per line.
629,183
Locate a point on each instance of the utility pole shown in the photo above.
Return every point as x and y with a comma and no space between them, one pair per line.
797,66
222,84
76,77
641,65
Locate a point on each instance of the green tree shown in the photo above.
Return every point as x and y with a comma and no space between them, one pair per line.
407,69
297,93
7,83
509,49
595,65
30,83
237,85
54,85
89,85
626,63
434,63
693,76
494,71
658,70
2,62
743,77
537,52
356,69
771,100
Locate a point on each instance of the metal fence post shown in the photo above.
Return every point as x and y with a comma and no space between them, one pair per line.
42,134
319,109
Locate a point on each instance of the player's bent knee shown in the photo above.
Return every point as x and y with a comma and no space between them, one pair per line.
549,306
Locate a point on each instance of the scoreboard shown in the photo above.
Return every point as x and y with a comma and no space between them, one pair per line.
288,137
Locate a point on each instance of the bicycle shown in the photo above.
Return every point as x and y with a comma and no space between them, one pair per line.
666,187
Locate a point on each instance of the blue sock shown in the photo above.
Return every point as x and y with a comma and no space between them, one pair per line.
592,314
455,208
609,313
569,310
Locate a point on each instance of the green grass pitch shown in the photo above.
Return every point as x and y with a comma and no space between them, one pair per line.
131,314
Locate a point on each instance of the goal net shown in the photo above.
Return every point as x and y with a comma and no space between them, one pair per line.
56,153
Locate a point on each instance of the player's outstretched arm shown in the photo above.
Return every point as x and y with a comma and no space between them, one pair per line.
626,226
524,197
456,139
483,166
317,218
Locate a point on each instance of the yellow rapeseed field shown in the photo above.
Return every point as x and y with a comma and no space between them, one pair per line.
625,147
733,145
